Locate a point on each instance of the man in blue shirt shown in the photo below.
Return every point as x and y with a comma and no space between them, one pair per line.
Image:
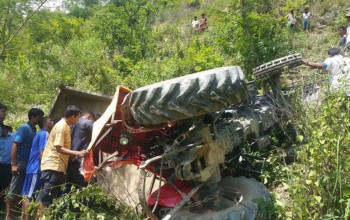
20,155
6,140
32,179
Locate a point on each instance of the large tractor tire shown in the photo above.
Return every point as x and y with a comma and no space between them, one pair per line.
188,96
239,197
275,67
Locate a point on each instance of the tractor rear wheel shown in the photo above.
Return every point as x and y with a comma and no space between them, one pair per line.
188,96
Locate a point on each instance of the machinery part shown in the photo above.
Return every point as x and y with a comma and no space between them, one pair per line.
276,66
188,96
142,195
238,197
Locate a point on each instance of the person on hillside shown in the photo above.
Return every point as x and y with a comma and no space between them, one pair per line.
195,23
342,39
6,140
32,180
347,15
338,68
306,19
292,19
342,36
55,157
20,152
203,23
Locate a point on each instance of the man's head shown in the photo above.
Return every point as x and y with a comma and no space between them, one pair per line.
333,51
195,18
46,123
4,130
34,115
89,116
3,113
342,30
203,15
72,114
292,11
306,10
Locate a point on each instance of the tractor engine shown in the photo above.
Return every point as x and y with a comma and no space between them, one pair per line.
205,147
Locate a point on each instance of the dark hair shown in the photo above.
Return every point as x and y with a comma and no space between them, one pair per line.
2,106
43,121
342,27
72,110
6,127
55,120
333,51
33,112
90,113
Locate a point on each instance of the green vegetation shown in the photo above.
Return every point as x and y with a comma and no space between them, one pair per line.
90,202
96,45
315,186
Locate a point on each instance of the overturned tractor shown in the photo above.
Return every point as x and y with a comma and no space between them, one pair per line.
186,136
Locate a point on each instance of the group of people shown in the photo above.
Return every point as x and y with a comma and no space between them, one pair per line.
305,18
337,64
201,24
34,166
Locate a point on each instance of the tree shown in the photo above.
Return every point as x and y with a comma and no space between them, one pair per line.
14,17
251,32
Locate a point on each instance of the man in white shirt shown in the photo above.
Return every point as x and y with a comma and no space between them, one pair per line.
195,23
338,68
292,19
306,16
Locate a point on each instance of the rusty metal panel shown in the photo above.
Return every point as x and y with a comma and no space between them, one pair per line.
85,100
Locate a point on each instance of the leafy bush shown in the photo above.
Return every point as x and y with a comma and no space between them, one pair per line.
317,183
90,202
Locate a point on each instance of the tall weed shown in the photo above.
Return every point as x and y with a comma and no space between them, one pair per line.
317,183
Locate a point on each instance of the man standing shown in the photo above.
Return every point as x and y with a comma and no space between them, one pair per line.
342,36
20,152
338,68
347,15
306,16
6,140
3,113
32,179
81,137
292,19
55,157
342,40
